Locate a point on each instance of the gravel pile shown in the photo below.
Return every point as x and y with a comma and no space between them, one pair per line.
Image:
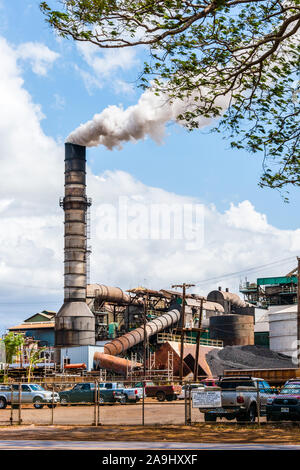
246,357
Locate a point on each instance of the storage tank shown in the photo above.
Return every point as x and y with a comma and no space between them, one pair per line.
232,329
283,330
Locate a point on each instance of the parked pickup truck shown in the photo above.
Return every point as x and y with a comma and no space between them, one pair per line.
161,392
30,393
285,405
131,394
189,387
239,399
85,393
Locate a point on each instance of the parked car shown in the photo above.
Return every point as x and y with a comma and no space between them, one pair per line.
131,394
209,382
239,399
181,396
30,393
286,405
85,393
161,392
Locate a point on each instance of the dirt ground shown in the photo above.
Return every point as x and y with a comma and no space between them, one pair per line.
163,422
214,433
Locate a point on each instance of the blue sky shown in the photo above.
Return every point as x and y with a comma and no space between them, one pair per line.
195,163
69,88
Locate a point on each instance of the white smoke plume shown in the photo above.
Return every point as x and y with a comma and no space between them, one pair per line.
115,125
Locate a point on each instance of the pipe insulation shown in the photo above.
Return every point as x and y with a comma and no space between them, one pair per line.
107,293
115,364
127,341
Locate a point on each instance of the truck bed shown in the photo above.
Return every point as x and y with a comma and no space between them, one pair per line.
273,376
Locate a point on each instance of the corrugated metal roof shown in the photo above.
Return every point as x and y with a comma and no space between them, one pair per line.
33,325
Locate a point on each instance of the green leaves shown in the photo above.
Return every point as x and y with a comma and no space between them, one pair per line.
236,60
13,342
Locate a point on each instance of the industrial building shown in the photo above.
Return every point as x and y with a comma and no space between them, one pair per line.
142,330
39,327
276,299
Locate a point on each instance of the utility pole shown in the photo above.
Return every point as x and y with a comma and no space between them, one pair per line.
183,286
145,335
198,341
298,314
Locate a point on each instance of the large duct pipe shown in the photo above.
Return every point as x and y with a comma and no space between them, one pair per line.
119,345
75,323
108,293
115,364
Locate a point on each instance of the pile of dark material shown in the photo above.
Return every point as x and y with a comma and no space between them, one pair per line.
246,357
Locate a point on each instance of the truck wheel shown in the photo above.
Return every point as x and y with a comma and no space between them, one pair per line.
126,399
209,418
37,403
161,396
169,397
251,415
270,417
3,403
52,406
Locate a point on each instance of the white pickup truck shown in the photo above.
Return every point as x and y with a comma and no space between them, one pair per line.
239,399
131,394
30,393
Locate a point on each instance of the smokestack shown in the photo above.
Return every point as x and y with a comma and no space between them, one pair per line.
75,323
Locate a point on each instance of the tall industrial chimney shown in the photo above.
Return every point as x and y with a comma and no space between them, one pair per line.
75,323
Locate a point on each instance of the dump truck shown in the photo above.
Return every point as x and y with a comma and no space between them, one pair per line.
275,377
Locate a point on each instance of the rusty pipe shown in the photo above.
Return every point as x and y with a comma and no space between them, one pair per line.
108,294
115,364
119,345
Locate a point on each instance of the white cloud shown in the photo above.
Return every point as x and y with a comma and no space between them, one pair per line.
31,236
39,56
104,65
244,216
105,62
59,102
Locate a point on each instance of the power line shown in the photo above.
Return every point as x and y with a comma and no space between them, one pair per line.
254,268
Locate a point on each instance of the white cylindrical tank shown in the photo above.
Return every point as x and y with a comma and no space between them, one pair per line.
283,330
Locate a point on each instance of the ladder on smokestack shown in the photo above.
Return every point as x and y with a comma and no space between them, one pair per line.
88,236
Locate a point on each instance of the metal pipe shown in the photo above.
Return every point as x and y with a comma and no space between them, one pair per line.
119,345
115,364
107,293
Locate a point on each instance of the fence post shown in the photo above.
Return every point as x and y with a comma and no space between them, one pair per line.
52,409
98,403
185,405
11,404
19,400
143,405
95,405
258,405
190,406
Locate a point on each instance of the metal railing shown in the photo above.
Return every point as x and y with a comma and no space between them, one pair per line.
163,337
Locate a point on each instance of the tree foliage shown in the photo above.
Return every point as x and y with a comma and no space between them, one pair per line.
235,60
33,357
13,343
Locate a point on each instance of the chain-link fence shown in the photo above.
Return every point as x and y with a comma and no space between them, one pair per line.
101,403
